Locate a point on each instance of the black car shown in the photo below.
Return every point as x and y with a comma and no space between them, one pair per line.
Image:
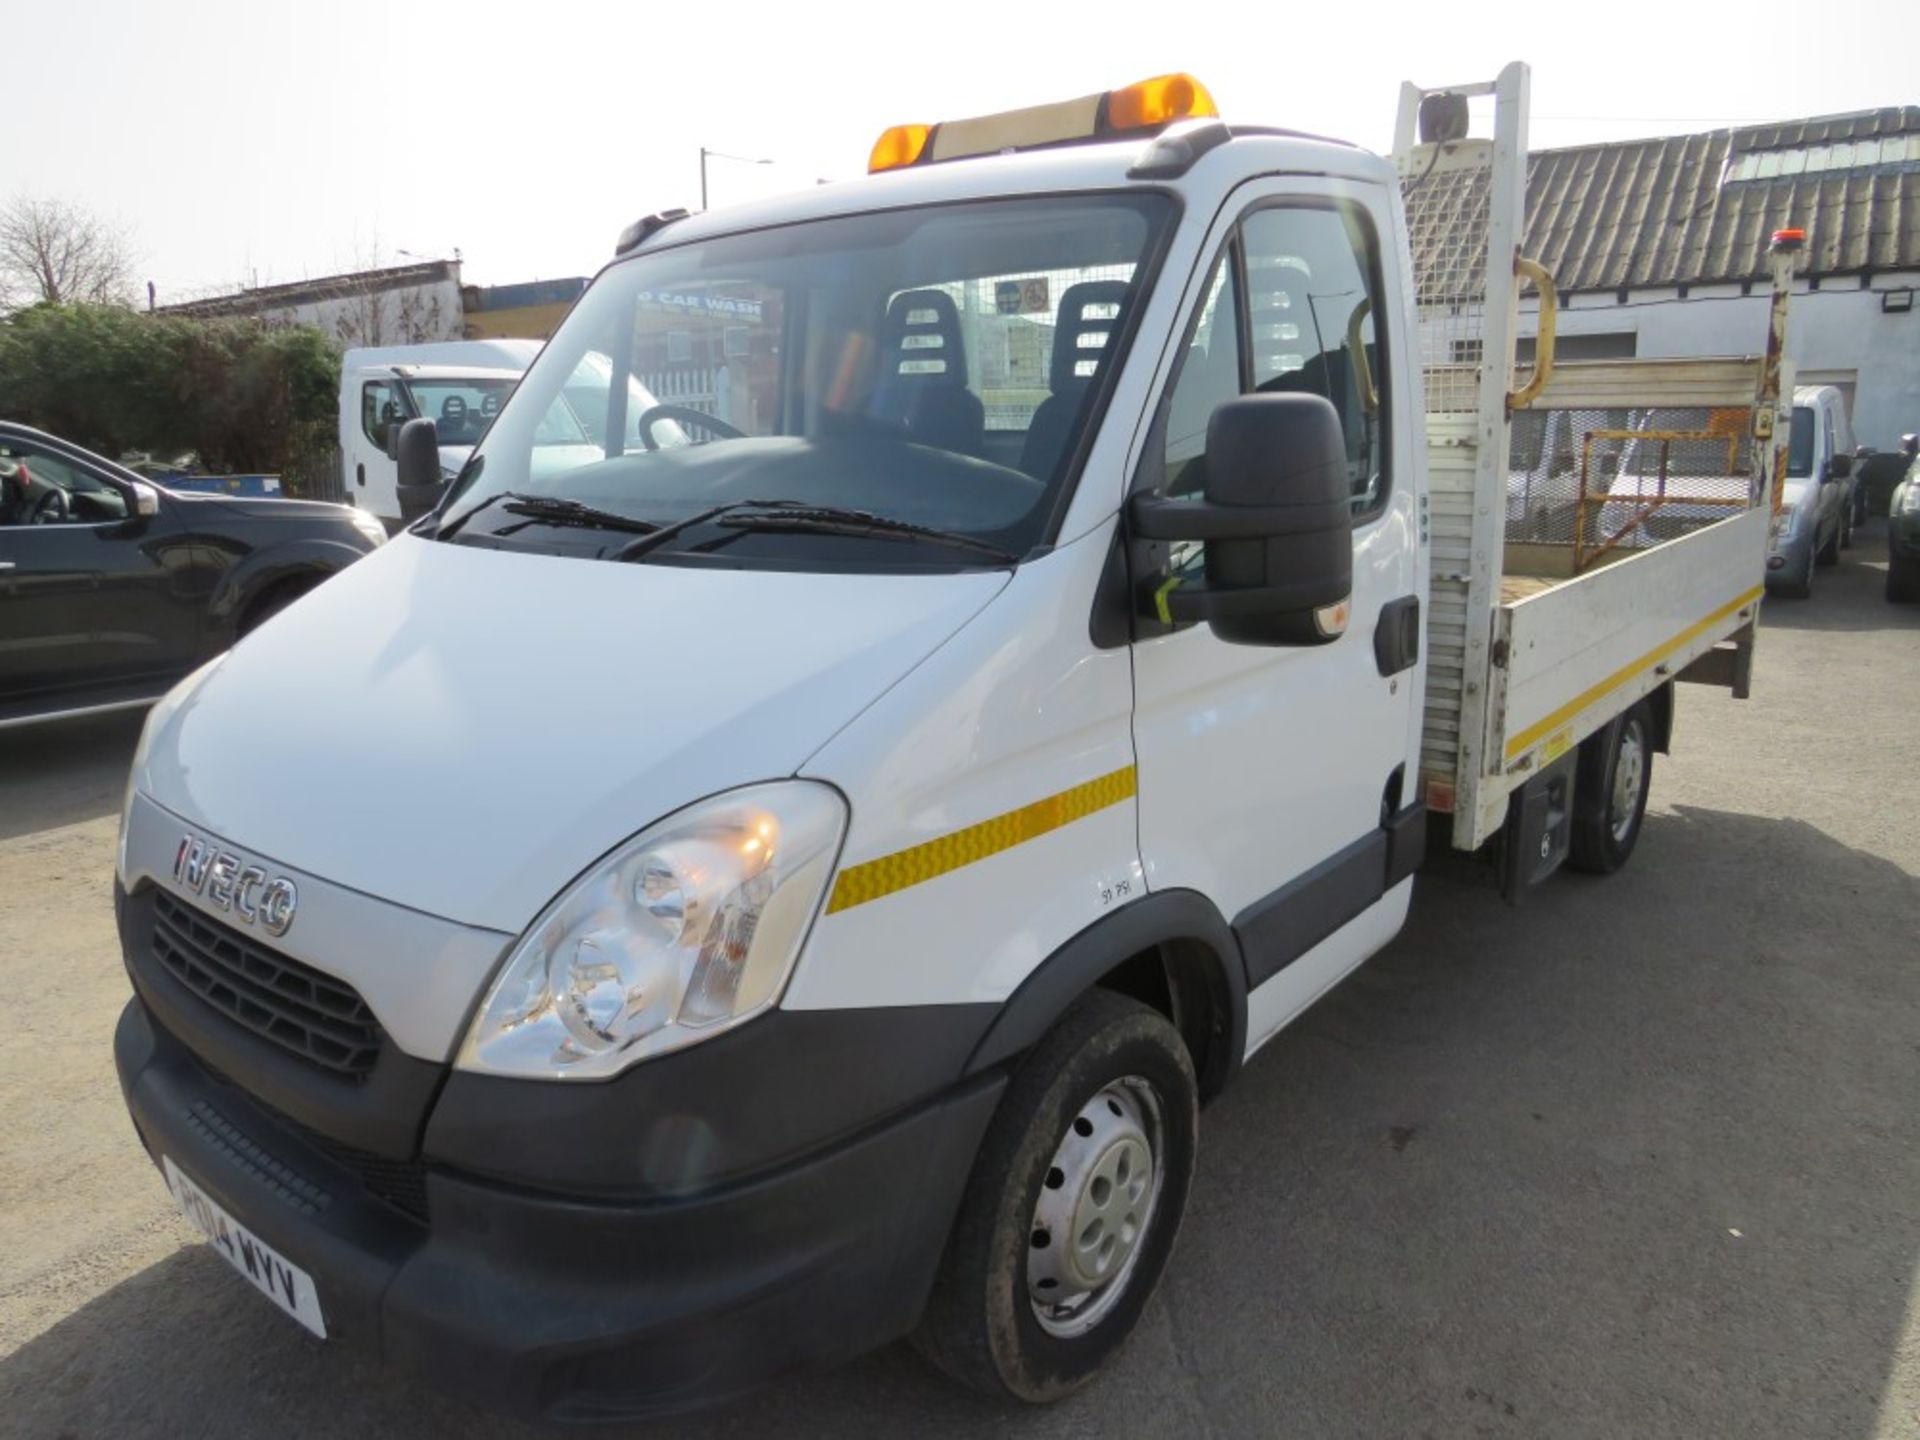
112,588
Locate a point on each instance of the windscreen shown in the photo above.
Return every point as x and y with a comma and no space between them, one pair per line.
936,367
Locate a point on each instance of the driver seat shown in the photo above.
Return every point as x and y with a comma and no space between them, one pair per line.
923,385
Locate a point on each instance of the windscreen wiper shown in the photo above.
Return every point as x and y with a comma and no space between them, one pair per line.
549,510
832,520
660,534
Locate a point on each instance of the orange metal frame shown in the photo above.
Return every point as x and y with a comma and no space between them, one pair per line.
1583,555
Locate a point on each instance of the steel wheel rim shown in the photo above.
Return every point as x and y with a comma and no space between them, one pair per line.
1629,775
1097,1204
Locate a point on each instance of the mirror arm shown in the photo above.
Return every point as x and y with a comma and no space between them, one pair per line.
1154,517
1184,605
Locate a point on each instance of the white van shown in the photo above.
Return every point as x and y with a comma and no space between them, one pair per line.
814,860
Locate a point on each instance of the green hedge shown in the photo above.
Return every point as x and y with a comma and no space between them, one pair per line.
251,398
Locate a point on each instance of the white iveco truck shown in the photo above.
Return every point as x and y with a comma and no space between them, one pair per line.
812,856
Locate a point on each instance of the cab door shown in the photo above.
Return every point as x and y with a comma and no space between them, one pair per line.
375,400
1277,781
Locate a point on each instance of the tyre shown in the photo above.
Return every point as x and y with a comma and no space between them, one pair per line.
1829,553
1903,579
1072,1207
1611,785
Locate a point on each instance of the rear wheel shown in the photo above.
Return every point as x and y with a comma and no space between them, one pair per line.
1072,1207
1610,793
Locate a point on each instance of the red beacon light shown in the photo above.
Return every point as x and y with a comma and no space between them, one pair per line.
1792,238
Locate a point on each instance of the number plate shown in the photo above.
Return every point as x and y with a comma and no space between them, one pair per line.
270,1272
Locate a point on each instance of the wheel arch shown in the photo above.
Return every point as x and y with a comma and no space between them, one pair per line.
274,565
1171,950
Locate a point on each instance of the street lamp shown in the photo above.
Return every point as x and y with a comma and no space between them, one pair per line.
721,155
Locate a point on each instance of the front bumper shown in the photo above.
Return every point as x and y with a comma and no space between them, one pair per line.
1789,562
570,1308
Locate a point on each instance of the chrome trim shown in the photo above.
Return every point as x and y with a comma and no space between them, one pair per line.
420,974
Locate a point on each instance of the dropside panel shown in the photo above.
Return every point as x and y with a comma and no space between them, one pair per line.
1582,652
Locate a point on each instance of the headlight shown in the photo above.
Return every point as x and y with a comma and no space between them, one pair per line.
368,525
685,931
1783,525
1910,502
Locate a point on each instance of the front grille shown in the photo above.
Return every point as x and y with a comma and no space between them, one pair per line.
315,1016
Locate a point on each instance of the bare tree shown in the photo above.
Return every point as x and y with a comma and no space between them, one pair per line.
61,253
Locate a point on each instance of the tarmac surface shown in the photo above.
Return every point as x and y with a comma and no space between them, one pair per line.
1642,1159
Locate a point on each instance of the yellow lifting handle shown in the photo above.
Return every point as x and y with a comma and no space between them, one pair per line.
1543,347
1357,358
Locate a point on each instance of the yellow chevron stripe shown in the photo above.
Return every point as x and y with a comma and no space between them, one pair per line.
904,868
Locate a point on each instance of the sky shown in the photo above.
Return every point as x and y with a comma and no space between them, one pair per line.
263,142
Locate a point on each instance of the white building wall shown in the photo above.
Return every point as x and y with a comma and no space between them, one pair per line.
1837,334
404,315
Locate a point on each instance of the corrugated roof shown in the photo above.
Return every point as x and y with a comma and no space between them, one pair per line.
1699,209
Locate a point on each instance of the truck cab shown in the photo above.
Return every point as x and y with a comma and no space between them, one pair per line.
458,385
831,830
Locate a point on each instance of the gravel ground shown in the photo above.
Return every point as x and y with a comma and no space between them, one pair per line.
1639,1160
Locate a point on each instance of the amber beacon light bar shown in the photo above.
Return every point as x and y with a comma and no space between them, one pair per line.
1131,110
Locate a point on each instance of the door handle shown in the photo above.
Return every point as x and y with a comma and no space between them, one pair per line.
360,475
1396,638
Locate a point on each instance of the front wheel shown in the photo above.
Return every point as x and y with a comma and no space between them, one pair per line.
1072,1207
1829,553
1610,792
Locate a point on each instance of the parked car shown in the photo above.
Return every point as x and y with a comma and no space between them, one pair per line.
113,587
1903,533
1879,474
1816,509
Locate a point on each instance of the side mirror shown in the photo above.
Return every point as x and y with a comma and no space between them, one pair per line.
146,499
417,449
393,438
1840,467
1277,519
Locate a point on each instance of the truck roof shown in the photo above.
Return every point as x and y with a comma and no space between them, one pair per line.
1057,169
514,355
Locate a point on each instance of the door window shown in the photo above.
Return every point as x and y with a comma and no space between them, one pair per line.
1312,316
1291,307
379,407
38,487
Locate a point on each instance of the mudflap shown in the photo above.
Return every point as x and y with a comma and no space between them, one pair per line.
1538,831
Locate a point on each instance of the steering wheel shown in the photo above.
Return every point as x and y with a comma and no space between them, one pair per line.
685,415
51,509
